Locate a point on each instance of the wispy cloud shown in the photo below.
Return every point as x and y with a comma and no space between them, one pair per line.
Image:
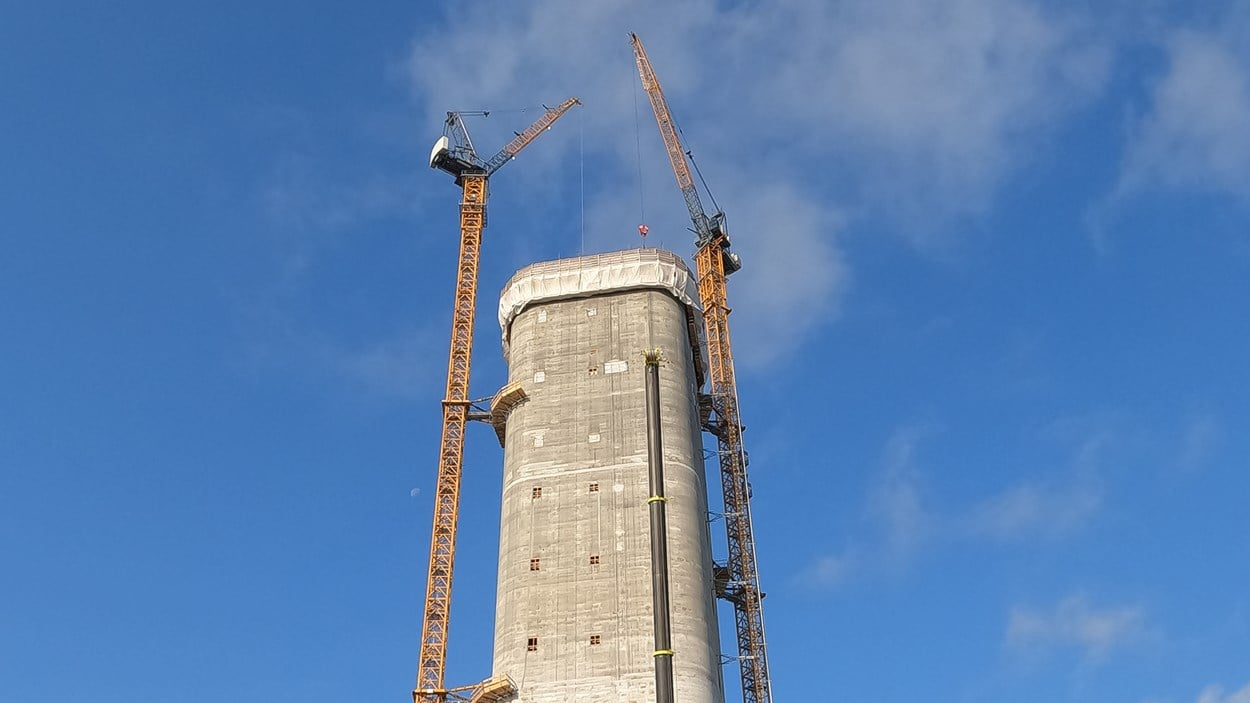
934,103
1216,694
1060,504
830,570
1195,134
1036,509
903,521
1200,439
899,523
794,273
1075,623
896,502
923,108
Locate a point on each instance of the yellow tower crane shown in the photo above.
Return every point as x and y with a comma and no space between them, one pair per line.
454,153
738,579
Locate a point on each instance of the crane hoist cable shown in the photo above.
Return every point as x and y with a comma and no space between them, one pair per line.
642,203
454,153
738,579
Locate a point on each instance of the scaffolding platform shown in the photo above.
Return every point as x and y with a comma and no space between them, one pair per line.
494,690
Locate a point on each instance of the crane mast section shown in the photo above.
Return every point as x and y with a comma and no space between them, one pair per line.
743,584
471,174
713,263
433,655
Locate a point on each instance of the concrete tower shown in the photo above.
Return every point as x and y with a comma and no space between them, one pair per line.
573,620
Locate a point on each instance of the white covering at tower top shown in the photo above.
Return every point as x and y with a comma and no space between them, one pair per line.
597,274
585,276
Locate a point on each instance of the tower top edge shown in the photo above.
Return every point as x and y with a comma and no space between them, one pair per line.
597,274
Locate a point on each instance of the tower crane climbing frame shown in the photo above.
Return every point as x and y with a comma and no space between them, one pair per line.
454,153
739,583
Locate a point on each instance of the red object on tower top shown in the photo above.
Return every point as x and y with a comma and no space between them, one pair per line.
643,229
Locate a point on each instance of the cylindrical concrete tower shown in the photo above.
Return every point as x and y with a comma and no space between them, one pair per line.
573,620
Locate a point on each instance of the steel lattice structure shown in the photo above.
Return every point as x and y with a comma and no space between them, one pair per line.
459,159
713,263
742,588
451,445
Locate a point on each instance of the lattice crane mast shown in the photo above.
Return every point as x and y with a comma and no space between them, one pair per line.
714,261
454,153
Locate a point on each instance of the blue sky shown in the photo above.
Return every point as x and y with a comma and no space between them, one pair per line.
992,331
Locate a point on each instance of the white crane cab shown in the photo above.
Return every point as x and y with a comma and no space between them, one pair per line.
441,150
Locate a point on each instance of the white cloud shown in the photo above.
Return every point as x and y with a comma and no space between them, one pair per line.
900,522
937,102
828,571
895,108
1195,134
1059,505
903,521
1215,694
1075,623
793,273
896,502
1036,509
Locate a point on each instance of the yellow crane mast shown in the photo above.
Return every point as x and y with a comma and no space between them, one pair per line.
738,580
454,153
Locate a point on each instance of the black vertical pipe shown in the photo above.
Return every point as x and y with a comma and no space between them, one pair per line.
659,535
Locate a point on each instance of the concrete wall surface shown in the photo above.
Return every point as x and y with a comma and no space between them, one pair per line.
574,616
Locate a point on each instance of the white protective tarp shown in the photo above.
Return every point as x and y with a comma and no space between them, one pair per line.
586,276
